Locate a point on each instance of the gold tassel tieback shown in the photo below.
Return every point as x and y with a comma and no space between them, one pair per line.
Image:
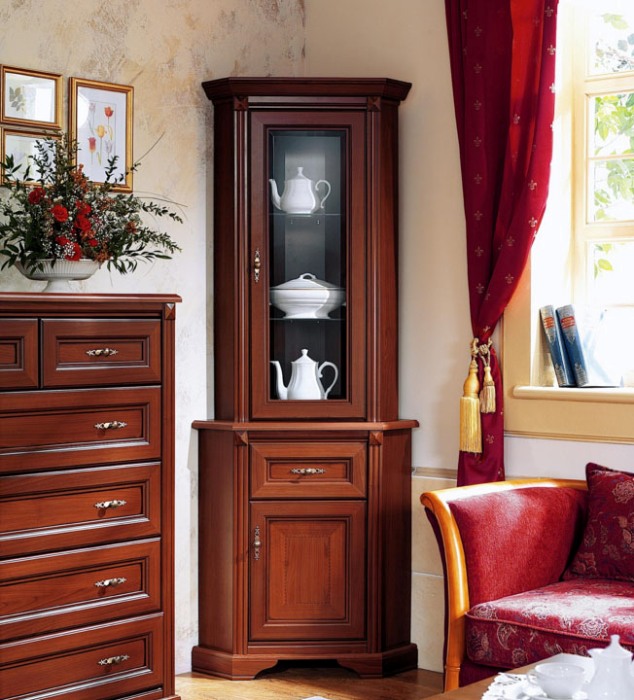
470,430
487,395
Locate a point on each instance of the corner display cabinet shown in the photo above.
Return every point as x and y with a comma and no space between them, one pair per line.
305,472
87,496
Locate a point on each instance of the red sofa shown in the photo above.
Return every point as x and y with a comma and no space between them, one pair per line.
534,567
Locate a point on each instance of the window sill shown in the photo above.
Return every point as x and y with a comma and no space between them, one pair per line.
594,395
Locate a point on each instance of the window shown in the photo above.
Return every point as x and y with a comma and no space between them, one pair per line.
603,167
584,252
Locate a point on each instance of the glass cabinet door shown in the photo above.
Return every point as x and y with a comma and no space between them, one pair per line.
307,303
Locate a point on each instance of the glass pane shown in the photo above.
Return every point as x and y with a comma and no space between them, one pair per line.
308,268
613,124
611,187
612,270
611,35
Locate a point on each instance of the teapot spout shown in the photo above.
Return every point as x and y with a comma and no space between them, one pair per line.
282,391
275,196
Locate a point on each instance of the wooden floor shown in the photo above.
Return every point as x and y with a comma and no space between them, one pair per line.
288,682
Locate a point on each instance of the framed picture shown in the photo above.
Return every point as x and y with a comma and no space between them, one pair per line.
30,97
21,145
100,120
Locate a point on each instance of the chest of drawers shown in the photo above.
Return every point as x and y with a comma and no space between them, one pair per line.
86,496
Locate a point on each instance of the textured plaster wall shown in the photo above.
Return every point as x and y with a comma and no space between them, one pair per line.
164,48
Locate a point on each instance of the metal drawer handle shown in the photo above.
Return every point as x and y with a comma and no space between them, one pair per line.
308,470
257,543
115,503
111,425
98,352
110,582
113,660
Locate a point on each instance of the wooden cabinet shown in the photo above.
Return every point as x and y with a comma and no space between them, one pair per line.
86,496
305,470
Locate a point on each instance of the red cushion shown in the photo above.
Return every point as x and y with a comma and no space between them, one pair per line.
569,616
519,539
607,547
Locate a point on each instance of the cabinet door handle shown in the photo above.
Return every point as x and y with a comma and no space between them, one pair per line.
111,425
99,352
110,582
257,264
308,470
115,503
113,660
257,543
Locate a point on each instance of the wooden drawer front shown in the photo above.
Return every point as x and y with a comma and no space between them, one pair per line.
308,469
59,510
89,352
82,587
108,661
90,426
18,354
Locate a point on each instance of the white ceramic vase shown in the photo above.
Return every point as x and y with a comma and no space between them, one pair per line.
58,275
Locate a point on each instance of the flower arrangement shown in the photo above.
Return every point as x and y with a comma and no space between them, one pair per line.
63,215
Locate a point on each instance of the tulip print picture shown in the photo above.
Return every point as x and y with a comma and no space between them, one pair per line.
101,122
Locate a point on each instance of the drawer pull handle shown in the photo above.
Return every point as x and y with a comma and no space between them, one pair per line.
111,425
99,352
113,660
257,543
308,470
104,505
110,582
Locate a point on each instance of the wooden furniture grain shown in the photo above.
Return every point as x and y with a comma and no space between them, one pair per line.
305,504
86,496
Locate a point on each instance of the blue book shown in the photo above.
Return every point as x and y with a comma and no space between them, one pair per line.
580,348
558,354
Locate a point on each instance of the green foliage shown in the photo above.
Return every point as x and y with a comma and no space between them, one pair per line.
61,214
602,264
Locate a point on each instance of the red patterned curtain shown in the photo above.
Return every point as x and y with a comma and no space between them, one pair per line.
503,70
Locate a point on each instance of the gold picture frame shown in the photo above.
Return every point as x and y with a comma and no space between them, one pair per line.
30,98
100,120
20,144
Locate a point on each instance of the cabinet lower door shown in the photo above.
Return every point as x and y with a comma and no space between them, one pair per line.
307,570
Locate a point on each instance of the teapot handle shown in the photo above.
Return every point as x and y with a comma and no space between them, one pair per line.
325,182
334,381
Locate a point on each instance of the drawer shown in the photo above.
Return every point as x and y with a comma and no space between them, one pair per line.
79,507
308,469
106,661
52,429
18,354
83,587
89,352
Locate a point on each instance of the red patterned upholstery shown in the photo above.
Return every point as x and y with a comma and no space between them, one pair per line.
521,585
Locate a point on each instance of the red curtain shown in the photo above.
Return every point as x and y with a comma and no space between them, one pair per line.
503,70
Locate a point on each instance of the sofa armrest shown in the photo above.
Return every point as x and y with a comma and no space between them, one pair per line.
456,507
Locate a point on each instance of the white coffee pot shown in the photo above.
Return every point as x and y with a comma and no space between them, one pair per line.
305,375
299,196
612,679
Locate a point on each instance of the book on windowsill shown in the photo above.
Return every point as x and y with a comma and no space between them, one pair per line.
580,336
558,354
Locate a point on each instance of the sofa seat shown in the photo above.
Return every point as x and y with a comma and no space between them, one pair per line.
567,616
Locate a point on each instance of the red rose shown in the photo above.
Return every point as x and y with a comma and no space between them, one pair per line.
62,240
93,242
81,223
60,213
36,195
83,208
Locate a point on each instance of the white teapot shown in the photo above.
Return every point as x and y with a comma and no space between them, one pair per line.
299,194
305,376
612,679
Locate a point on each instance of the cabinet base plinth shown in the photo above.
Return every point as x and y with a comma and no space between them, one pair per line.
238,667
